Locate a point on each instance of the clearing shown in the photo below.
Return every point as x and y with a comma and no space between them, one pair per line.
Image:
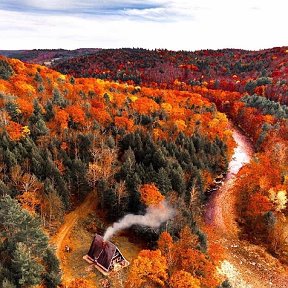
76,234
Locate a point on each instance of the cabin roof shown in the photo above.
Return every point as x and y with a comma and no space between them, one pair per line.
102,252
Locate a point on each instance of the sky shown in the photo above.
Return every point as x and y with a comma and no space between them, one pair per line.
174,25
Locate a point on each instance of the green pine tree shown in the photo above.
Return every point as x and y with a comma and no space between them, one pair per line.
26,271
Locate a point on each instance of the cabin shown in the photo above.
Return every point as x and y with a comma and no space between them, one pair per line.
105,256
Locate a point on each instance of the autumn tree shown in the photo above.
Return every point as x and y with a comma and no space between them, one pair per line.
25,107
24,182
124,123
61,119
76,113
30,201
149,269
258,205
278,236
150,194
166,246
14,131
101,166
279,198
183,279
29,186
51,205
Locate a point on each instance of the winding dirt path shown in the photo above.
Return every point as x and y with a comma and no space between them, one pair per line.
246,265
59,239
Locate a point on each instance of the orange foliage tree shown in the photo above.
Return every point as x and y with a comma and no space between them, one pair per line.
166,246
145,105
183,279
76,113
183,256
100,115
149,269
61,119
26,107
30,201
14,130
258,205
150,195
124,122
196,263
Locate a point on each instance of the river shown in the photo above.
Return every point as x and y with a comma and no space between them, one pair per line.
242,155
245,265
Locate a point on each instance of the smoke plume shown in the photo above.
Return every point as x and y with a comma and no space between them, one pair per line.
154,217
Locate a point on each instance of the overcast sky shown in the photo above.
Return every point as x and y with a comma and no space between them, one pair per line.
175,24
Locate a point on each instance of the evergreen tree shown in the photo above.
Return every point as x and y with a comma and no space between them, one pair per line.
52,276
37,112
4,190
163,181
58,99
38,77
72,80
13,110
158,159
22,245
6,70
177,179
9,158
7,284
132,183
39,129
225,284
26,271
110,203
78,177
49,111
84,143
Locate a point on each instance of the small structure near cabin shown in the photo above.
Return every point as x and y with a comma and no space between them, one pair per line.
105,255
67,249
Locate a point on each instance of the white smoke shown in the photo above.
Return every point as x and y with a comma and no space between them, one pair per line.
154,217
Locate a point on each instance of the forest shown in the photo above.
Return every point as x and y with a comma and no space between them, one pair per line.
132,128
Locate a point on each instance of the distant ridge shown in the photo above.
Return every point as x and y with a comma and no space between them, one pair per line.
40,56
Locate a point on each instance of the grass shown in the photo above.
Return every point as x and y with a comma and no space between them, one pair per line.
79,241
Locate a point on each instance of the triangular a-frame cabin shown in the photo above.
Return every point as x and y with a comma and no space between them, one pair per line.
105,255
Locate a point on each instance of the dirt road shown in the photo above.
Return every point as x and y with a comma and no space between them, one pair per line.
59,240
246,265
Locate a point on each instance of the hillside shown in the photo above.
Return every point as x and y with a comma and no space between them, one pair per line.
46,56
262,72
63,137
161,132
249,86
